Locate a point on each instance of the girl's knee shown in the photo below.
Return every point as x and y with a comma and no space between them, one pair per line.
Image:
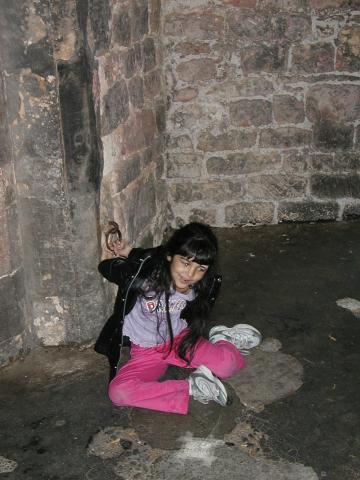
118,393
231,364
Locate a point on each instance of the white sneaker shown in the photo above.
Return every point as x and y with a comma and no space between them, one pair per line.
205,387
243,336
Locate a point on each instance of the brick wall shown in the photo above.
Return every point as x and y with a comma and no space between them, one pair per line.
263,125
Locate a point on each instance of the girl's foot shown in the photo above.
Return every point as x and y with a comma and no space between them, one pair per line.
243,336
205,387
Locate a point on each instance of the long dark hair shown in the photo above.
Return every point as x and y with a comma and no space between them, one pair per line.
197,242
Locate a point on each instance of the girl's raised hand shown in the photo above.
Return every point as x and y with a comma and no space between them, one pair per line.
121,248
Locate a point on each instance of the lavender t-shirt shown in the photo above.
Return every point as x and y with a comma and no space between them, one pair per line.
141,324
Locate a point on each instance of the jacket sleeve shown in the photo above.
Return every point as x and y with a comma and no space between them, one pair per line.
117,270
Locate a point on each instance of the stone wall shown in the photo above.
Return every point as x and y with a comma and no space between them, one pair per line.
263,125
81,141
131,99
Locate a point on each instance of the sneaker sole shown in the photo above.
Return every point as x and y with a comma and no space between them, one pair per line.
220,328
205,372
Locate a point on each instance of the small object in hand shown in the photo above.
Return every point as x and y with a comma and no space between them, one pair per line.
112,235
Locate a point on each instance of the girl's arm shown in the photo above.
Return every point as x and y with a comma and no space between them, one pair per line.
117,268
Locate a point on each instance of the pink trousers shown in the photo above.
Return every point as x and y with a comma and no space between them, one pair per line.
137,382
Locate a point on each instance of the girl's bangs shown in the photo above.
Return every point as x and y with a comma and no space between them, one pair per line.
200,251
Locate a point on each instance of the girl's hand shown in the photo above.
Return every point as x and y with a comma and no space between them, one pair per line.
118,249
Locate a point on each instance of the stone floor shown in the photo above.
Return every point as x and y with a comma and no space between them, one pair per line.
295,408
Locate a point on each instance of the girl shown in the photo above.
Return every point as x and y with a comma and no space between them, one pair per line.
163,303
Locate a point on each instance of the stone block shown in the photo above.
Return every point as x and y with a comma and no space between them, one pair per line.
195,26
262,26
313,58
250,113
121,34
322,4
351,211
136,92
126,171
264,58
249,212
285,137
295,162
243,163
212,192
335,186
288,109
160,117
340,162
240,3
231,140
191,48
276,186
128,58
330,135
149,54
139,16
152,84
100,14
185,95
200,69
140,206
184,165
155,15
308,211
207,216
285,5
182,142
115,107
348,52
12,299
339,102
244,87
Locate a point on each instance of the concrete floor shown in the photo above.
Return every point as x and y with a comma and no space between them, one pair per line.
295,411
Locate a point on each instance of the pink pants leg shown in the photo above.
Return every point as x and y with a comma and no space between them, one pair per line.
137,382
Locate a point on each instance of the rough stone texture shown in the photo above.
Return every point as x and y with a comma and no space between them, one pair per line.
264,86
307,211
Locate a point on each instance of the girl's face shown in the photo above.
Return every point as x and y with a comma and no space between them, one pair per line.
185,272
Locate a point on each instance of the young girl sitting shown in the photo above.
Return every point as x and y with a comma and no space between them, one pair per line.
164,299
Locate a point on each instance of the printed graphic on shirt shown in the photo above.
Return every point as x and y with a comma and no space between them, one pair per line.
160,307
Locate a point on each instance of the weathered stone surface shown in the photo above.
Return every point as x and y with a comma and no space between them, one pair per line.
285,137
185,95
264,58
241,3
139,18
194,26
244,87
122,29
136,92
339,186
334,101
263,27
100,14
276,186
351,211
307,211
155,15
348,52
285,5
295,162
203,215
341,162
184,165
248,113
139,131
149,54
242,163
321,4
192,48
182,142
249,212
160,117
288,109
231,140
116,106
211,191
152,84
313,58
201,69
330,135
127,170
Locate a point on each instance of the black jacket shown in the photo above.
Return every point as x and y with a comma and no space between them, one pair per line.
129,274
